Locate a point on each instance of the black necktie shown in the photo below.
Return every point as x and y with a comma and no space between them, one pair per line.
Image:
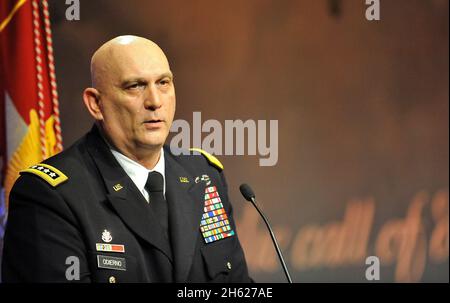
155,189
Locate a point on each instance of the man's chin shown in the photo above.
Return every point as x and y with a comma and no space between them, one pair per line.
154,142
154,138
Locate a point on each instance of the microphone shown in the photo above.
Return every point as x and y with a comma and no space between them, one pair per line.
249,195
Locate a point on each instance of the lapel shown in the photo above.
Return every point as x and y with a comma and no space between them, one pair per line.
124,196
185,202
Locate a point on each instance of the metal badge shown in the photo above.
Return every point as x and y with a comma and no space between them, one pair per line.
203,178
184,180
117,187
106,236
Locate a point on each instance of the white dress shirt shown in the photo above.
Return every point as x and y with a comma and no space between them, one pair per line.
139,173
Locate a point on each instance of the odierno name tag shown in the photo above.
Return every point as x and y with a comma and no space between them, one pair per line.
111,262
110,247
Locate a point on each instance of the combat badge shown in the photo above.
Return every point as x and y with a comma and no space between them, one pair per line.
106,236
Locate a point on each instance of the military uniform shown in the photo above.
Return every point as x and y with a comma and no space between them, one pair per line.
81,205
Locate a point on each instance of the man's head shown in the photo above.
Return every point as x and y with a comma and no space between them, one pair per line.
132,96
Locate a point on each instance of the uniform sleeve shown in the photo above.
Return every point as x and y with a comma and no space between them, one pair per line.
41,236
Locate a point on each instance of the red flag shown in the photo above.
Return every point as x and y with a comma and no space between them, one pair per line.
29,116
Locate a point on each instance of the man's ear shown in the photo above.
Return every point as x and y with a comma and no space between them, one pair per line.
91,98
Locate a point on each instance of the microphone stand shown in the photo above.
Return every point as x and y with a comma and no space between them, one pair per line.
280,256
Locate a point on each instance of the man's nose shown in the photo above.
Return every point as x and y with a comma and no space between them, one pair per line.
152,97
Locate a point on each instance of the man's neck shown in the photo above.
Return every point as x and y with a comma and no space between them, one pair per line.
148,160
147,157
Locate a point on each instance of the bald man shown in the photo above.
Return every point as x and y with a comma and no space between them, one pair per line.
118,206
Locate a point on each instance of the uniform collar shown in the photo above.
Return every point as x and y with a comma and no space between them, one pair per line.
137,172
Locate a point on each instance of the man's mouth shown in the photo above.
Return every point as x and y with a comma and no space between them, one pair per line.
153,123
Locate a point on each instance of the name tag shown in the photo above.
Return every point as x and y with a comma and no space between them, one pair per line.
111,262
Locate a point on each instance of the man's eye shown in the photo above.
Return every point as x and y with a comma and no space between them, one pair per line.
164,82
135,86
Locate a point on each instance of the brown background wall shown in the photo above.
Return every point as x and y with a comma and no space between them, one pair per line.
362,109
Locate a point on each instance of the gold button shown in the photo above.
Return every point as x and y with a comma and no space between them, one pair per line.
229,265
112,279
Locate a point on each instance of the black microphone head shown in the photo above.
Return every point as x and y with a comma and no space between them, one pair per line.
247,192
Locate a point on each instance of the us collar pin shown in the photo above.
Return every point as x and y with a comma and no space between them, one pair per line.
184,180
117,187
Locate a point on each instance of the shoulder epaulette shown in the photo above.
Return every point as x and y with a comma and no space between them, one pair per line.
50,174
211,159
